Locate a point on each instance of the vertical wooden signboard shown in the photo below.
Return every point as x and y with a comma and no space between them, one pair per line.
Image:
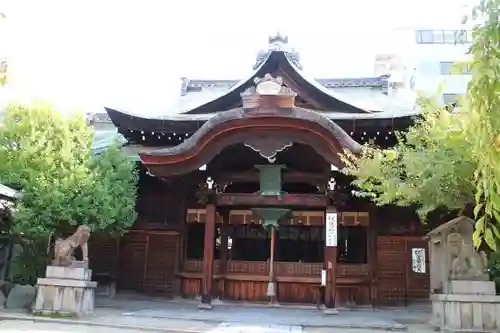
331,229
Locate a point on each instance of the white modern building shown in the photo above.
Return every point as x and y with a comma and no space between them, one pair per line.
421,61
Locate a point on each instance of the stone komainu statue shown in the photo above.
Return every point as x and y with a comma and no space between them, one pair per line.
65,248
466,262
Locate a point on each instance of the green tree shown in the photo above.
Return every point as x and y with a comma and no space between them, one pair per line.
448,160
50,159
483,104
431,167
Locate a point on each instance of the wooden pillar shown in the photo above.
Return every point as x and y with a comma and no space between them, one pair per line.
331,256
223,251
271,289
208,256
372,257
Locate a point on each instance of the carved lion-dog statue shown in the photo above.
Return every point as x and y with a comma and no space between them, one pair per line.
65,248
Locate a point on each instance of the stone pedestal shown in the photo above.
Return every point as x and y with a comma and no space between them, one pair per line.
66,291
471,307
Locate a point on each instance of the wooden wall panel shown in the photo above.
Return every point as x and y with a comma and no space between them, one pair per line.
131,263
248,267
190,287
103,255
192,266
306,293
352,270
298,269
159,275
352,295
248,291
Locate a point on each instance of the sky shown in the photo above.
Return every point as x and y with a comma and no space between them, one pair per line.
130,54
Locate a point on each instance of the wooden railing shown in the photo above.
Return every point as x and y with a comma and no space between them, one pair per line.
281,268
247,280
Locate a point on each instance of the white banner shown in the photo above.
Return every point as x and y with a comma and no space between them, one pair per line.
331,229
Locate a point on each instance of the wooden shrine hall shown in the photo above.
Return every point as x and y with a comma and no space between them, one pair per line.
240,199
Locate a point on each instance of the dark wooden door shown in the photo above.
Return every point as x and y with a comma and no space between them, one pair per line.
397,283
417,284
391,270
133,248
161,259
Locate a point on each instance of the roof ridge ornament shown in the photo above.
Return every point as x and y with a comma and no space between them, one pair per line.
268,85
268,92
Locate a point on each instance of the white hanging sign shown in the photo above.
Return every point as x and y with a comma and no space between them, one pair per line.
418,260
331,229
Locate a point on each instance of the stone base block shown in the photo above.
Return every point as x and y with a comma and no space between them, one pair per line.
73,264
466,313
72,273
473,287
65,291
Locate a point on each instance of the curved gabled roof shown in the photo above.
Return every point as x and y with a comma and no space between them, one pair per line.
278,64
190,123
290,125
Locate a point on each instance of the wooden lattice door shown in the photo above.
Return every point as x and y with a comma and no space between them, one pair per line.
159,271
398,284
391,270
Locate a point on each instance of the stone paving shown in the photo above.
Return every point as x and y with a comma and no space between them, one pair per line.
184,316
271,316
254,328
15,326
388,319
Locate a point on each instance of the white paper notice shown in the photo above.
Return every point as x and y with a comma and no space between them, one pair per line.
418,260
331,229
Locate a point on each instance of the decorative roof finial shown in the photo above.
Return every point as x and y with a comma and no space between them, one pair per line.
278,38
278,43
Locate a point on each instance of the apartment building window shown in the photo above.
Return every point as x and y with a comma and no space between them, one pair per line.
449,36
443,37
445,67
425,36
448,68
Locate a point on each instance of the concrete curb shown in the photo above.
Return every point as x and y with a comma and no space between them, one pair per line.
80,322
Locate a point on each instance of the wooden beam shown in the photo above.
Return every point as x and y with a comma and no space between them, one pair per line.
208,256
255,200
289,177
